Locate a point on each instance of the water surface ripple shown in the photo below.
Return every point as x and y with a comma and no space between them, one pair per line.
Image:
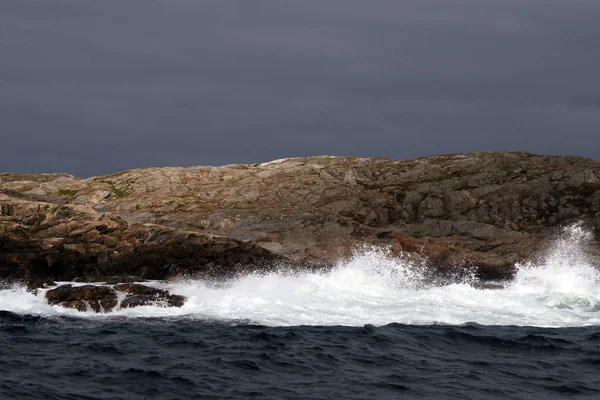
120,358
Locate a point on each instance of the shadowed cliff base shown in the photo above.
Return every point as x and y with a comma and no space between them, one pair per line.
485,211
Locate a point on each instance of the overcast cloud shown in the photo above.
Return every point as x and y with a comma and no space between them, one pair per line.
92,87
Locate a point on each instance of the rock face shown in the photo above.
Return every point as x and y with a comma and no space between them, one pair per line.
488,210
105,298
41,241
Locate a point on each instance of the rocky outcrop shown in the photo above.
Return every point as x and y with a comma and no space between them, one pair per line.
41,241
109,298
488,210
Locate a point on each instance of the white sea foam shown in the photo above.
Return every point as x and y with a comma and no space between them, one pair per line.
560,290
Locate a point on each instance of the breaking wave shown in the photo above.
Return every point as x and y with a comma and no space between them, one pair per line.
562,289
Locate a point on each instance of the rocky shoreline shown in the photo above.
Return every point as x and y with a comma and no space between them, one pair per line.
482,210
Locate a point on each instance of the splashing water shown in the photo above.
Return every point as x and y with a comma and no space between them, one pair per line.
565,278
560,290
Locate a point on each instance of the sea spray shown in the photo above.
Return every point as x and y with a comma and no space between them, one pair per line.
563,268
564,277
559,289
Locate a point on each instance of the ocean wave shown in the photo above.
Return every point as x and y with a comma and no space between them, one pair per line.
374,287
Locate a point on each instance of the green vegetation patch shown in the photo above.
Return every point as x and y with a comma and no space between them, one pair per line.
105,177
68,192
120,192
117,191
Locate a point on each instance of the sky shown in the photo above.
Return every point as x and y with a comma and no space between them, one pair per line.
93,87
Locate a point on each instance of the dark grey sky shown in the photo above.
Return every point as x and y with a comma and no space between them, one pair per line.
93,87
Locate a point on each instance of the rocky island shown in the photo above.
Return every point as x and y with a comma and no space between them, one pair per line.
486,211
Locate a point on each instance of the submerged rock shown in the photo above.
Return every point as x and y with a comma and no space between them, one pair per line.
107,298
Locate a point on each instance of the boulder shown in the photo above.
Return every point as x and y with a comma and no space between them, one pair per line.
107,298
95,298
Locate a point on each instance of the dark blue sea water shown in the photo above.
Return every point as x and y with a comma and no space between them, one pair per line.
121,358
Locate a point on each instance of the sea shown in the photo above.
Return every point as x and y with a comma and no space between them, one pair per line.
373,327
